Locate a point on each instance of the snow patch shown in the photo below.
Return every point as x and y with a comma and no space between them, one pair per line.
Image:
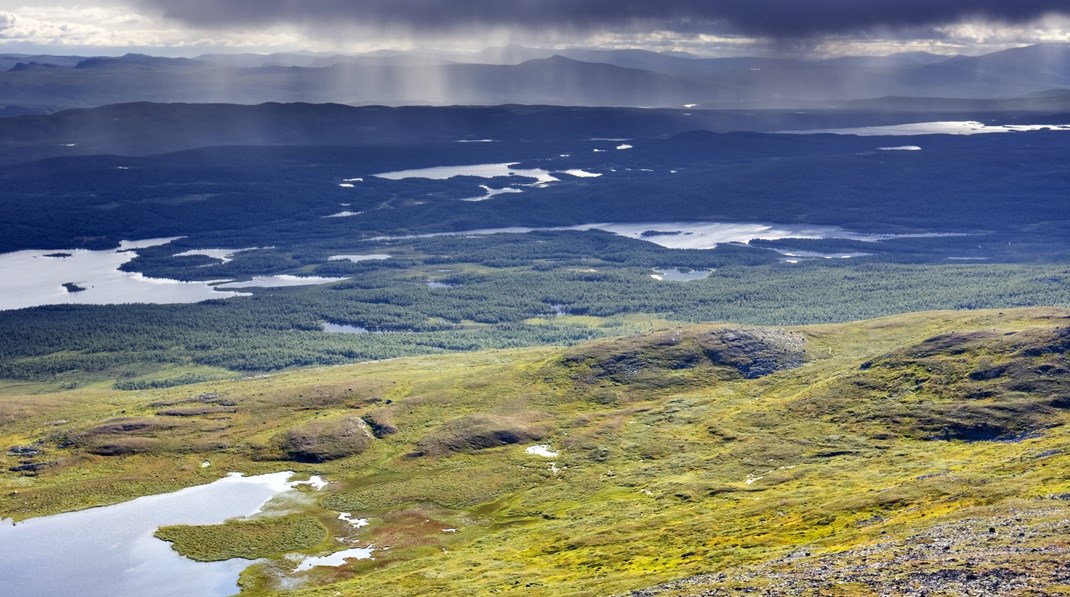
541,450
353,522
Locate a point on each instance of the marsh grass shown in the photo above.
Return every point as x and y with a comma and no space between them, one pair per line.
248,539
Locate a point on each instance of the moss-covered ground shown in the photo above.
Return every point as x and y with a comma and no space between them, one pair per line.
249,539
690,450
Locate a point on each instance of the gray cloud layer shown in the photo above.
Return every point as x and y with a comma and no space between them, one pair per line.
771,18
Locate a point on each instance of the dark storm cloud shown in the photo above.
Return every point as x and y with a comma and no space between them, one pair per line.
772,18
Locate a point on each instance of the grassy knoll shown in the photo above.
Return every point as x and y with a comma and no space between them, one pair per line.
688,450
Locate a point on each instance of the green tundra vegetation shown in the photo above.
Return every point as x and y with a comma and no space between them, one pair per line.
931,443
249,539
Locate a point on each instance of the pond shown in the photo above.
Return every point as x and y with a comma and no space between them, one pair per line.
111,551
360,258
679,275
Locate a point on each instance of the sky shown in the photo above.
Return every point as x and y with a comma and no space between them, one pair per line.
703,27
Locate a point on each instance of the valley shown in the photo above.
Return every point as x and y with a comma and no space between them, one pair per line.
673,299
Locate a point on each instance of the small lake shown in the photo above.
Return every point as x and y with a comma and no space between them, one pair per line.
81,277
359,258
281,281
337,559
488,171
221,255
341,328
111,551
799,256
477,171
338,328
490,193
678,275
345,214
707,235
966,127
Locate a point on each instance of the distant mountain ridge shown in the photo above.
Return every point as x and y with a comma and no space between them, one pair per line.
145,128
577,76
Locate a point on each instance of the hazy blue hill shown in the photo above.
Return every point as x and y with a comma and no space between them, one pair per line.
9,60
899,59
250,60
140,61
1010,72
644,59
580,77
30,66
561,80
148,128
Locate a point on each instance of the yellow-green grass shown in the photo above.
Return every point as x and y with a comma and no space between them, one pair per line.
250,539
709,472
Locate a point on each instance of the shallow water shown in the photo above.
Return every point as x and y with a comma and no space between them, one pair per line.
111,551
335,559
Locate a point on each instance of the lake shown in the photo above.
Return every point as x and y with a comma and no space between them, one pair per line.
965,127
542,177
477,171
693,235
111,551
35,278
82,277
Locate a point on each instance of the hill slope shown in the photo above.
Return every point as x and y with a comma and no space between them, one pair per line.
754,452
